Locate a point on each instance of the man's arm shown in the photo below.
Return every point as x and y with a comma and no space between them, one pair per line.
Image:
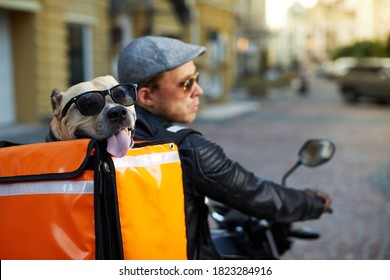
228,182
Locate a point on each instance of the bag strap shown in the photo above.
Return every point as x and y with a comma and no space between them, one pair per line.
175,133
109,244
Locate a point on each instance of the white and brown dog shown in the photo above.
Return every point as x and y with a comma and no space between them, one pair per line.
100,109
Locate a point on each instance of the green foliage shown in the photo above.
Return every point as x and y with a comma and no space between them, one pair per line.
366,48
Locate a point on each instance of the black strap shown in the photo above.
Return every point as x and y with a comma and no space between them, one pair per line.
175,133
109,244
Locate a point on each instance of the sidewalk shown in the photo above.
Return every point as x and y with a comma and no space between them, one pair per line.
222,112
238,106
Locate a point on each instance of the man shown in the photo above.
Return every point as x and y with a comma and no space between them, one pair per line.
168,92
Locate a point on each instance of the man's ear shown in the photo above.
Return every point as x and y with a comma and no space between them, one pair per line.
145,97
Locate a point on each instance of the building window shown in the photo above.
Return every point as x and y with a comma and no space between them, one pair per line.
79,53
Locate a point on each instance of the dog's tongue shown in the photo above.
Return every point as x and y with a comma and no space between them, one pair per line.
118,144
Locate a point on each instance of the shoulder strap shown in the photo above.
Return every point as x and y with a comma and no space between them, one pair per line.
175,133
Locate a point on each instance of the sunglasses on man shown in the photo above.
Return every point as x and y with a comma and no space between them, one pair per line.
91,103
189,83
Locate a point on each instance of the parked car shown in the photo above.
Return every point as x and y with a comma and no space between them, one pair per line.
333,69
370,77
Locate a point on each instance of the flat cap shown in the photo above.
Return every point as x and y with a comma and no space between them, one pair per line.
145,57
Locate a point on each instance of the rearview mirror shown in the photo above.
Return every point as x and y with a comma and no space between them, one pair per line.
313,153
316,152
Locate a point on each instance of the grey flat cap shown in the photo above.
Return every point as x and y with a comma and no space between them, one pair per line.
145,57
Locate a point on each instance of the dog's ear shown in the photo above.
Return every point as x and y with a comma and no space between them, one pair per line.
56,97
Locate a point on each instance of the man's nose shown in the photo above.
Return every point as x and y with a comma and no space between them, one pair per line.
198,90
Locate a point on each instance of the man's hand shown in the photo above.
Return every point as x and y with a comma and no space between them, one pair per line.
325,197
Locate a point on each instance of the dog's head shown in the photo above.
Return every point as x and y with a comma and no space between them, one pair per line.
77,114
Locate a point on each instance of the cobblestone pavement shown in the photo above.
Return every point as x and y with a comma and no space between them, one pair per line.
357,178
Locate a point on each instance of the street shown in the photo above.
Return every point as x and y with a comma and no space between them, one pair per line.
357,178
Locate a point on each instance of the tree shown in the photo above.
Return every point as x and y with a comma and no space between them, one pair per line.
365,48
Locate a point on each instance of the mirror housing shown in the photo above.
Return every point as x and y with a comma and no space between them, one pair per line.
313,153
316,152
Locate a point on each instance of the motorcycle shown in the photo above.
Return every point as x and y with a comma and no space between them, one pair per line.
240,236
303,85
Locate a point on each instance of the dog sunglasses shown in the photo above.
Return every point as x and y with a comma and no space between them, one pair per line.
91,103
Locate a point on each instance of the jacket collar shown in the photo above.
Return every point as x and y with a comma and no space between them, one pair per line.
148,124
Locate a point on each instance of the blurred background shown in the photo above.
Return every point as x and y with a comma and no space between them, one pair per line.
253,45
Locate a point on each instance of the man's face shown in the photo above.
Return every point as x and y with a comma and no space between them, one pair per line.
176,96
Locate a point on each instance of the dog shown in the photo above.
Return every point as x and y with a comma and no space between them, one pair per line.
95,109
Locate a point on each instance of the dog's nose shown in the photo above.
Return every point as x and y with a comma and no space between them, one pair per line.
117,113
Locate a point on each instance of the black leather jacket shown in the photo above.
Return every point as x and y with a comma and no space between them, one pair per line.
209,172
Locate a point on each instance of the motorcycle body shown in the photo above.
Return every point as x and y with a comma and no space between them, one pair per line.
240,236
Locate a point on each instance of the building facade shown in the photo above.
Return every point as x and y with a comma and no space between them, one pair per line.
47,44
315,33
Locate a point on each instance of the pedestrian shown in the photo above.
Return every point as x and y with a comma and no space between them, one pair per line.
168,93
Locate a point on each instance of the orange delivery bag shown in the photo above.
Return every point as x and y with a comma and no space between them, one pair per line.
72,200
